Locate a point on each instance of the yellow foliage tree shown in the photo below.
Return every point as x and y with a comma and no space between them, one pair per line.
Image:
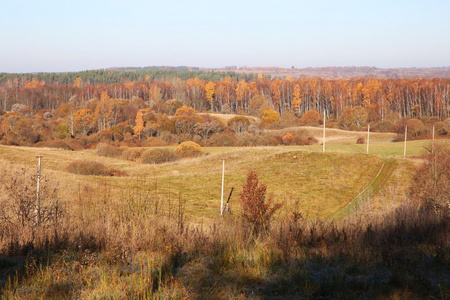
83,120
269,118
77,82
297,100
139,124
209,89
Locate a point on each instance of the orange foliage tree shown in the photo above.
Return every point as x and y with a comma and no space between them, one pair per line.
139,124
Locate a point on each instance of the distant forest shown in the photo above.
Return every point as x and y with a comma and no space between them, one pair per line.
131,105
134,74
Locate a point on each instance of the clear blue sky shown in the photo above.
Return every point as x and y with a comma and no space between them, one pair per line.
79,35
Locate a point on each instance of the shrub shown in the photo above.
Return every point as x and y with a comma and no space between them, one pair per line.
117,136
287,139
62,132
275,141
167,137
311,141
188,149
431,183
415,127
361,140
109,151
157,156
311,118
238,124
257,211
441,128
106,135
85,167
58,144
384,126
132,154
221,140
155,142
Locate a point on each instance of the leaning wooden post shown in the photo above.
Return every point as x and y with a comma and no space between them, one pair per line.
406,134
223,180
37,207
323,150
368,135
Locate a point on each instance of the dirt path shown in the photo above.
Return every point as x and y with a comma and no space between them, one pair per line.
386,169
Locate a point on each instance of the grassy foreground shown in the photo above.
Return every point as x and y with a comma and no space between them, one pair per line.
157,233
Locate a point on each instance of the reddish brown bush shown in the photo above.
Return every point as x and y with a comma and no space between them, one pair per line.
257,211
431,183
361,140
310,118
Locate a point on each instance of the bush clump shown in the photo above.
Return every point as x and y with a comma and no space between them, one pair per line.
58,144
188,149
131,154
109,151
157,156
86,167
360,140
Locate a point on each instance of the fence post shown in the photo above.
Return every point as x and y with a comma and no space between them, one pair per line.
38,205
223,180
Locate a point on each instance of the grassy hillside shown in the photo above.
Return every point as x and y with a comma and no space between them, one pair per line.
157,233
320,184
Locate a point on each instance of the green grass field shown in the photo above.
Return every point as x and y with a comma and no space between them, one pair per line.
320,184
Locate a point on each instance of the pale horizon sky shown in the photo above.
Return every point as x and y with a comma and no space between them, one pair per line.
66,36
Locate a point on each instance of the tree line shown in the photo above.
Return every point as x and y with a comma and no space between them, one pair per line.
233,94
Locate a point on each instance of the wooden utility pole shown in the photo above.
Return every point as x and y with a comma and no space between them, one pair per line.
406,134
38,205
323,150
223,181
368,135
432,145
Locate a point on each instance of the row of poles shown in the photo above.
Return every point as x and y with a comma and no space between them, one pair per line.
323,150
368,137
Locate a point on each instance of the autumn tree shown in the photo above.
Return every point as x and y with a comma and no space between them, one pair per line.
297,100
311,118
139,124
269,118
106,112
209,89
238,124
258,104
83,120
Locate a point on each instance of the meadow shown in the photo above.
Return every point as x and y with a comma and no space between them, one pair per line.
346,228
